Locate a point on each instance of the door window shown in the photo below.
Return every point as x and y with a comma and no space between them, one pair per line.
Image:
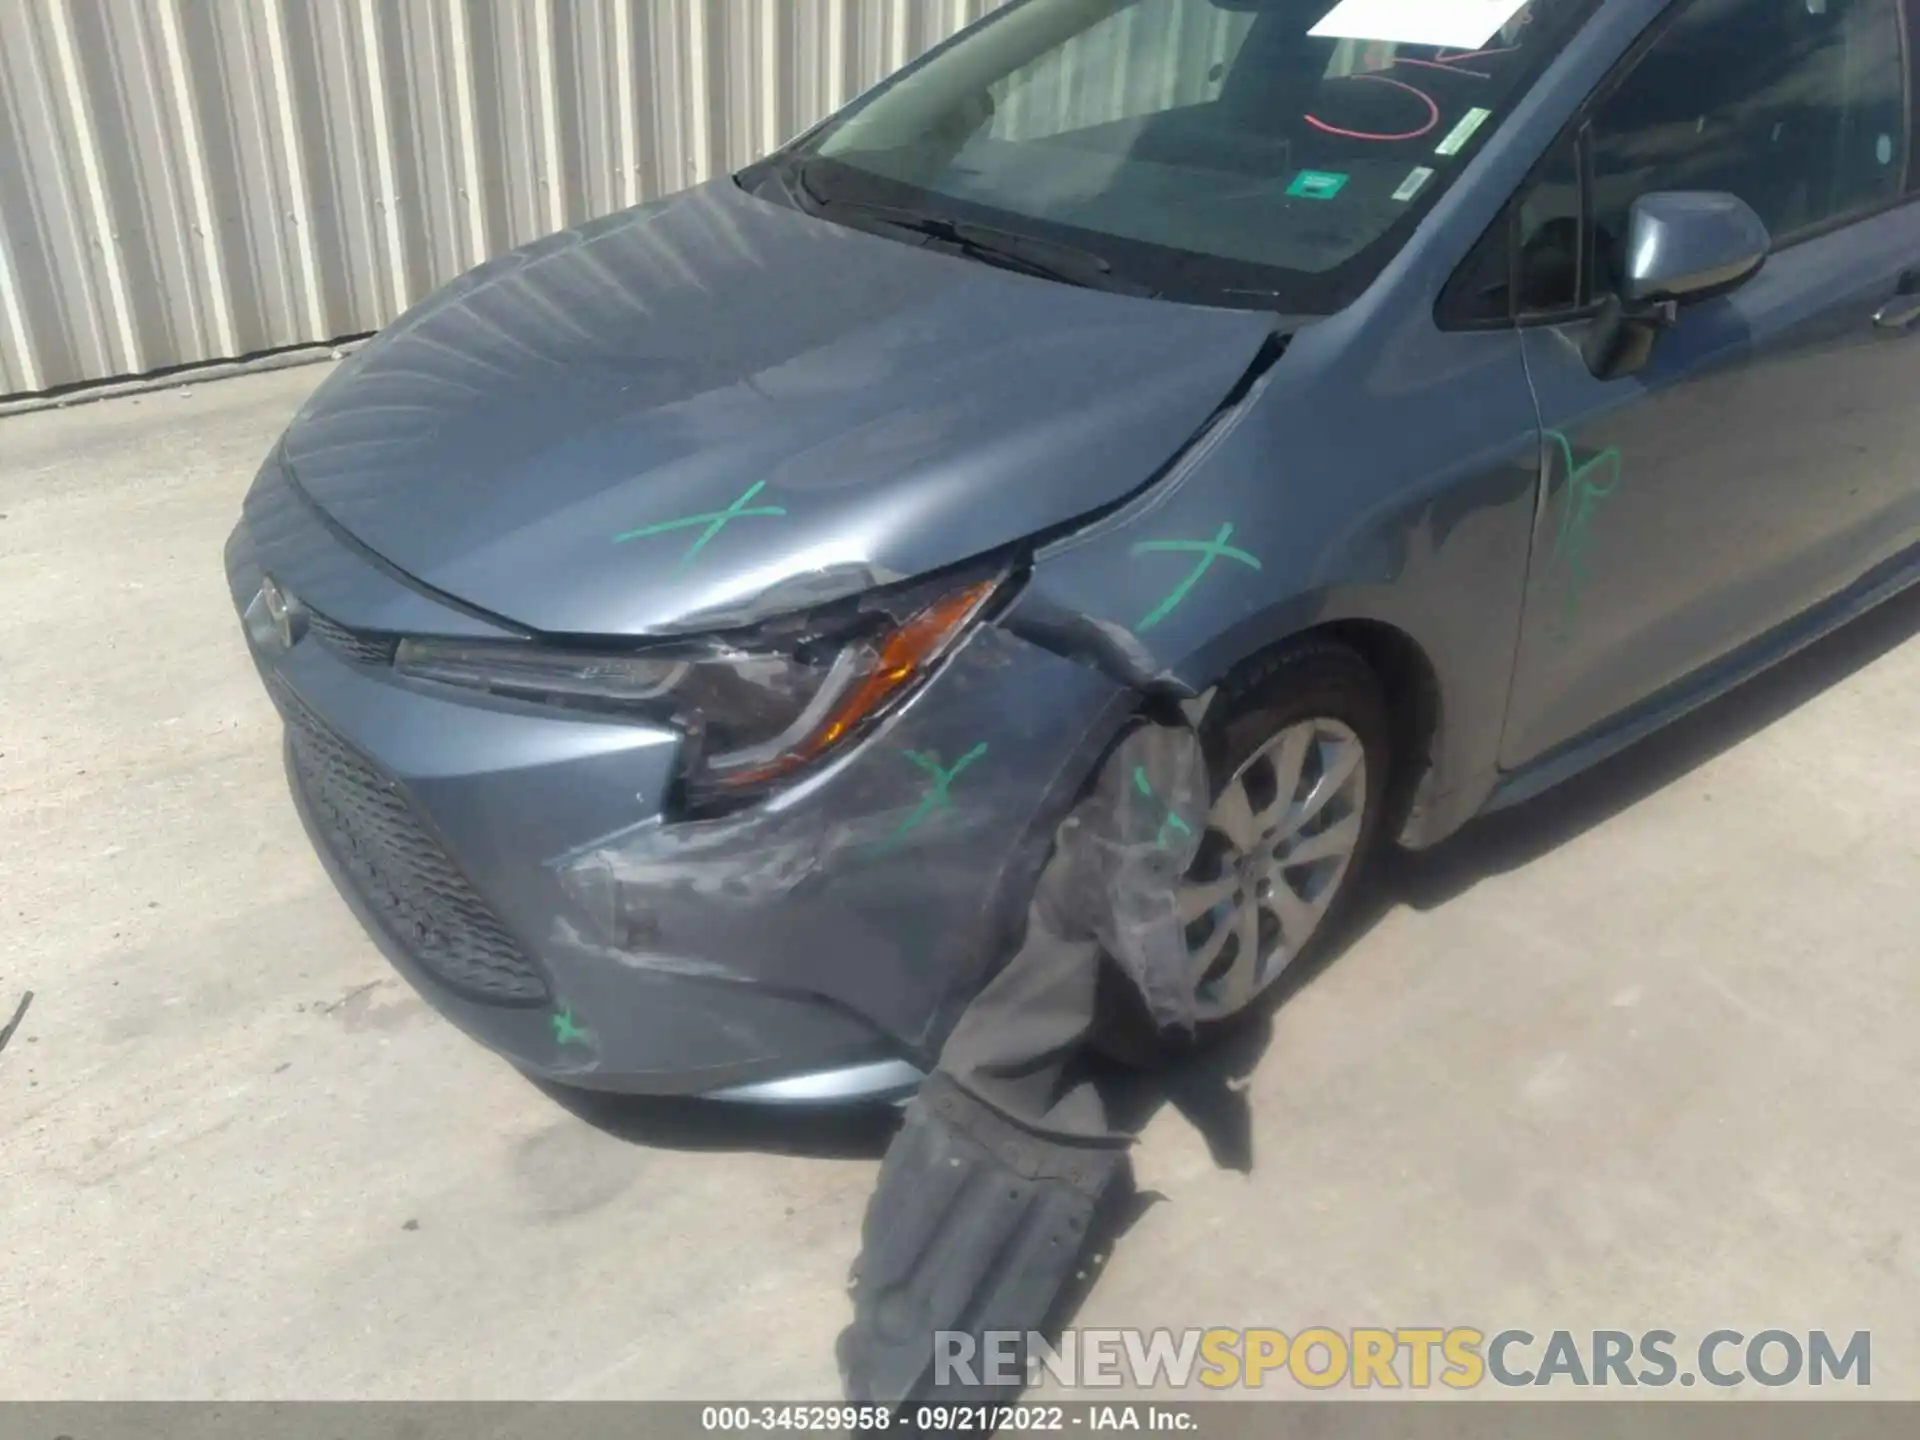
1551,237
1535,243
1799,107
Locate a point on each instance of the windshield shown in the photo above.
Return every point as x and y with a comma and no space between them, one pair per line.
1267,153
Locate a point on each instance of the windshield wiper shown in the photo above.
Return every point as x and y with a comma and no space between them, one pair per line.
1027,254
1048,259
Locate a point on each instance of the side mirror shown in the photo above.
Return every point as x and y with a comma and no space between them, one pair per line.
1683,246
1690,245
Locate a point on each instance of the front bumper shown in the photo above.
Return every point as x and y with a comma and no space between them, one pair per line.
516,866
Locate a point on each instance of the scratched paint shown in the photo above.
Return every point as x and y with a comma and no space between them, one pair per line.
1588,487
1209,551
714,520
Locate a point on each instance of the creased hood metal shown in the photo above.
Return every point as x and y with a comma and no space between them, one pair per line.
713,408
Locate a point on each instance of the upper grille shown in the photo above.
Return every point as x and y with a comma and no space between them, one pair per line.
354,645
402,872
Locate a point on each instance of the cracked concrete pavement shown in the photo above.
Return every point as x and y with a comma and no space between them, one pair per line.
1638,1056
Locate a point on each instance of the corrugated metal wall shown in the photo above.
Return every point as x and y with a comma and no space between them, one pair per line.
193,180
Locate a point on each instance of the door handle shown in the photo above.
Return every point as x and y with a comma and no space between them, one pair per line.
1904,308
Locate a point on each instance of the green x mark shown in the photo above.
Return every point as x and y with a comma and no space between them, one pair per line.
1208,551
936,797
715,521
1583,501
565,1032
1173,820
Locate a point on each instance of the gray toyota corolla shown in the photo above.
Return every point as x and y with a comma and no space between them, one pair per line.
692,627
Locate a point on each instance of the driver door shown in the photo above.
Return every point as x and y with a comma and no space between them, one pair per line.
1764,458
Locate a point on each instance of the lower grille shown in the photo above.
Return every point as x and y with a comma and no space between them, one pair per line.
402,872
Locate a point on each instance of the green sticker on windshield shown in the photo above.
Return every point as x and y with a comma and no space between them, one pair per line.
1317,184
1416,181
1458,136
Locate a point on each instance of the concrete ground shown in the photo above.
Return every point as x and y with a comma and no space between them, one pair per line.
1639,1056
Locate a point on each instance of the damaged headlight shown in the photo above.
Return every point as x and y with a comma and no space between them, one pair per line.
756,706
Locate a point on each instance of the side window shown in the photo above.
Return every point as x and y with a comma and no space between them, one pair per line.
1797,106
1550,234
1480,292
1541,227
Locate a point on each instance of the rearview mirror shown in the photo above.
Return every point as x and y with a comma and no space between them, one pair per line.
1683,246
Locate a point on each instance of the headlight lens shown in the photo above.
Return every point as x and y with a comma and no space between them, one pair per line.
755,707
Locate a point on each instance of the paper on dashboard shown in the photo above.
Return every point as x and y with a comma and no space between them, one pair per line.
1456,24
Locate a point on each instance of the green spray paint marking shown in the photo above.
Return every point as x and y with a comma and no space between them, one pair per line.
1585,494
715,521
565,1032
1208,550
1173,820
936,797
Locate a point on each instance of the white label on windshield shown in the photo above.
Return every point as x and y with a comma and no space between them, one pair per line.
1410,187
1463,132
1457,24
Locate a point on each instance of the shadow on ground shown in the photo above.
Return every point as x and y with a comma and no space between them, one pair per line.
1207,1086
1510,839
855,1132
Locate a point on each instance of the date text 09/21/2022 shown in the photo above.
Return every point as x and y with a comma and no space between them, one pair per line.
946,1419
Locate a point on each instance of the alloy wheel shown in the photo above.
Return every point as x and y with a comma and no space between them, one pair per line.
1280,838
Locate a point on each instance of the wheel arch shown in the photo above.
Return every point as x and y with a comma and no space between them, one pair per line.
1411,687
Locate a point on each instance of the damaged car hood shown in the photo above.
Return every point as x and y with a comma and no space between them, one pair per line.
714,408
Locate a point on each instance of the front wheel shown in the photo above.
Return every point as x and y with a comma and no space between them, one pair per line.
1299,757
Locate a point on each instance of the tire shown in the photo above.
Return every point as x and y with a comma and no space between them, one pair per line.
1309,680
